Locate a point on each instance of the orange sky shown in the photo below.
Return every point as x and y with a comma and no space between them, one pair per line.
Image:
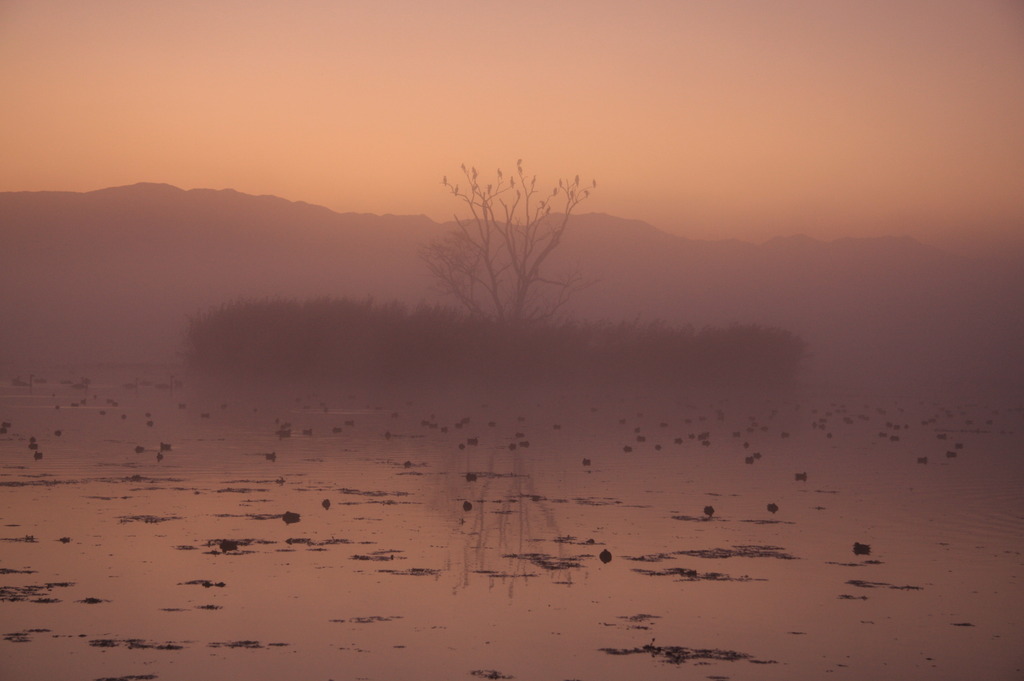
709,118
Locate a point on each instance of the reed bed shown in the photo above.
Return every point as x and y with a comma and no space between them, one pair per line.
363,341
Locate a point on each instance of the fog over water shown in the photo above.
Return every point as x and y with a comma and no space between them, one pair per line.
285,417
114,276
861,520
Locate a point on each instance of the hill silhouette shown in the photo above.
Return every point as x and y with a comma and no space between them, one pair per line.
114,274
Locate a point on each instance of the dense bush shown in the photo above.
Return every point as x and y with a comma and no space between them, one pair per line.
363,342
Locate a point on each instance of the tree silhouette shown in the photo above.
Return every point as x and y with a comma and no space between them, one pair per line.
492,264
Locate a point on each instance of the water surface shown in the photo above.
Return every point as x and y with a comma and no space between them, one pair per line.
113,564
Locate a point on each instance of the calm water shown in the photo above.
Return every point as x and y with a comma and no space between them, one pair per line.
112,564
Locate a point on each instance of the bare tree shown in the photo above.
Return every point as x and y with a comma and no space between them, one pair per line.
492,264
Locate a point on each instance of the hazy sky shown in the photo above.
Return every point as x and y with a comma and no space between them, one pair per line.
709,118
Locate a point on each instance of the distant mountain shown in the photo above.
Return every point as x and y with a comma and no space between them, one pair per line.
112,275
117,271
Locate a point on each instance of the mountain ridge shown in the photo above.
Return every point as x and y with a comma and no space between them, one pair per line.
163,191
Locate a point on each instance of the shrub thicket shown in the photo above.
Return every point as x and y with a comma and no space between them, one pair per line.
367,342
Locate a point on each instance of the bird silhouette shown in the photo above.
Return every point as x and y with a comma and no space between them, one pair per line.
606,556
773,508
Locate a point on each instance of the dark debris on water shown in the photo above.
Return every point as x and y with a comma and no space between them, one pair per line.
489,674
147,518
245,644
134,644
205,583
738,551
641,621
37,593
680,654
371,619
23,636
549,562
688,575
414,572
863,584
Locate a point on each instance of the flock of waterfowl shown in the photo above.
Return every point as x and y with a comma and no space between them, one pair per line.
284,429
480,443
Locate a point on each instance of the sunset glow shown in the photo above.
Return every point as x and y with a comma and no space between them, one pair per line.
707,119
460,339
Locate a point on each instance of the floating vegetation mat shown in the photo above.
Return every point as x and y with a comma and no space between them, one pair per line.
489,674
253,645
36,593
688,575
680,654
881,585
549,562
414,572
739,551
153,519
23,636
134,644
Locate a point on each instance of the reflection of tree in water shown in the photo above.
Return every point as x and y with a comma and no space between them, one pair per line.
507,520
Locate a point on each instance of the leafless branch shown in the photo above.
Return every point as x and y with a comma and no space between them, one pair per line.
493,262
